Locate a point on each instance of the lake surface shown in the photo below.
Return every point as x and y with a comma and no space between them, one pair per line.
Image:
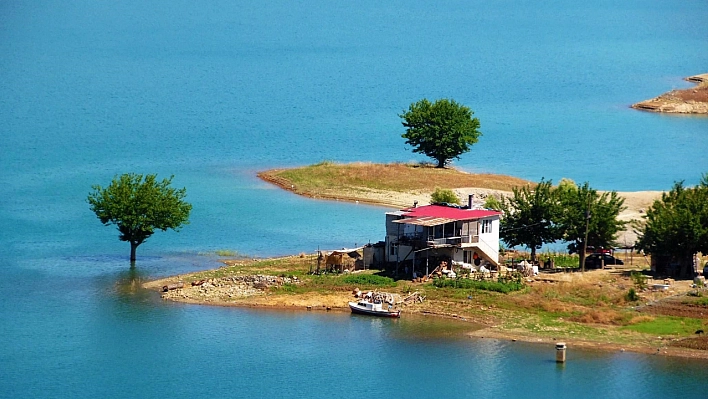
215,92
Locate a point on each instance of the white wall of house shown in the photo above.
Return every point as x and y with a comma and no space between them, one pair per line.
489,232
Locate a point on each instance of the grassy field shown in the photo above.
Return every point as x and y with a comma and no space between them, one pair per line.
327,177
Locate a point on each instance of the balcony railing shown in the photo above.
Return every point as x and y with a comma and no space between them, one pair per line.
470,239
419,239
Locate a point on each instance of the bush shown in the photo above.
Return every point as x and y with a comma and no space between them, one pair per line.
492,203
503,286
631,296
369,279
640,280
444,196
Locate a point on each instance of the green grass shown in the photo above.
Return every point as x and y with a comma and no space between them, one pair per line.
369,280
225,252
496,286
667,325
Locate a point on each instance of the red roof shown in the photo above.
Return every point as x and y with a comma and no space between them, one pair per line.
448,212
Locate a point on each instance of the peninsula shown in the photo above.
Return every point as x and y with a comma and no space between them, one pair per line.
686,101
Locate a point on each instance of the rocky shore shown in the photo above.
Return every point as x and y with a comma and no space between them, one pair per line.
224,288
686,101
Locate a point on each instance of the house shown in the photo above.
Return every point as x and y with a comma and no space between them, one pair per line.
420,238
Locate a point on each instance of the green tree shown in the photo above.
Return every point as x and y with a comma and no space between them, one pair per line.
677,225
138,206
442,130
585,212
492,203
444,196
529,217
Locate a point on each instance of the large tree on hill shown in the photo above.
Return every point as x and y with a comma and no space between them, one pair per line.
529,217
586,213
677,225
138,206
442,130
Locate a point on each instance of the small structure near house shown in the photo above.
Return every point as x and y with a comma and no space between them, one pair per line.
339,260
671,266
419,239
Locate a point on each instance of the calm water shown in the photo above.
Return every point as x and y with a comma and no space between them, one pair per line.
215,92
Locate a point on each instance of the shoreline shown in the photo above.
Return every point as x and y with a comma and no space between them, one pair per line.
485,332
692,101
491,319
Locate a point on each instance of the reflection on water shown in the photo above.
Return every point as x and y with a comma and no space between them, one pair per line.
422,327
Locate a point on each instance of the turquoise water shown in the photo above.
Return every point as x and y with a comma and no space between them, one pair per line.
215,92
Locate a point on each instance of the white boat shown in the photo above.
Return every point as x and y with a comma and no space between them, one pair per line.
372,309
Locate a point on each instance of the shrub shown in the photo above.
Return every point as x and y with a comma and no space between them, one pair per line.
369,279
492,203
631,295
639,279
447,196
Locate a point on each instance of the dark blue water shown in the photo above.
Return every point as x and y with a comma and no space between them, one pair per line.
215,92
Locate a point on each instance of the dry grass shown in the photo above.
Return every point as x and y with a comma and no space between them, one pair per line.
328,176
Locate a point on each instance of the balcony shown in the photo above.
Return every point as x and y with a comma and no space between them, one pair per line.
420,240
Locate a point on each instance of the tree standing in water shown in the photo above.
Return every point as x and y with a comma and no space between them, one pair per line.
138,206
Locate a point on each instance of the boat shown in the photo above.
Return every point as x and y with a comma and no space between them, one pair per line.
372,309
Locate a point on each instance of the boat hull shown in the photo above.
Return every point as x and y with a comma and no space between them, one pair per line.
356,308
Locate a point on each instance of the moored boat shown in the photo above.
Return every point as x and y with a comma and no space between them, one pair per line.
372,309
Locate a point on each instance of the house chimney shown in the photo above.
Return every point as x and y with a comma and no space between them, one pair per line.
470,201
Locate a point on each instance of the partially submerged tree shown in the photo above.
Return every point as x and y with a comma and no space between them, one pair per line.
677,225
444,196
529,217
586,213
138,206
442,130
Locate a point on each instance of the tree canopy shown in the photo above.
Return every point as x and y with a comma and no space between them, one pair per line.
139,205
677,225
444,196
585,211
442,130
529,217
544,214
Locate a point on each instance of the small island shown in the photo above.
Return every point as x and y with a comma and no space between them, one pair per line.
686,101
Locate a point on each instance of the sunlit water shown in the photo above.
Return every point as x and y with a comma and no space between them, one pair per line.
213,93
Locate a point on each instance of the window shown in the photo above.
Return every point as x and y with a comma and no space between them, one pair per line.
394,249
486,226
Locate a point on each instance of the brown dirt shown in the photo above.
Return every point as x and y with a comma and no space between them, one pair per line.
679,306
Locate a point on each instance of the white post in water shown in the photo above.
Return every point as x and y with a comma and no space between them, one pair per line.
560,352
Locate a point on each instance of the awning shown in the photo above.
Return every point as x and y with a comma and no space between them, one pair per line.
425,221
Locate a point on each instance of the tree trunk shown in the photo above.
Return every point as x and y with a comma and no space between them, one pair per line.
133,247
581,253
533,254
441,163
